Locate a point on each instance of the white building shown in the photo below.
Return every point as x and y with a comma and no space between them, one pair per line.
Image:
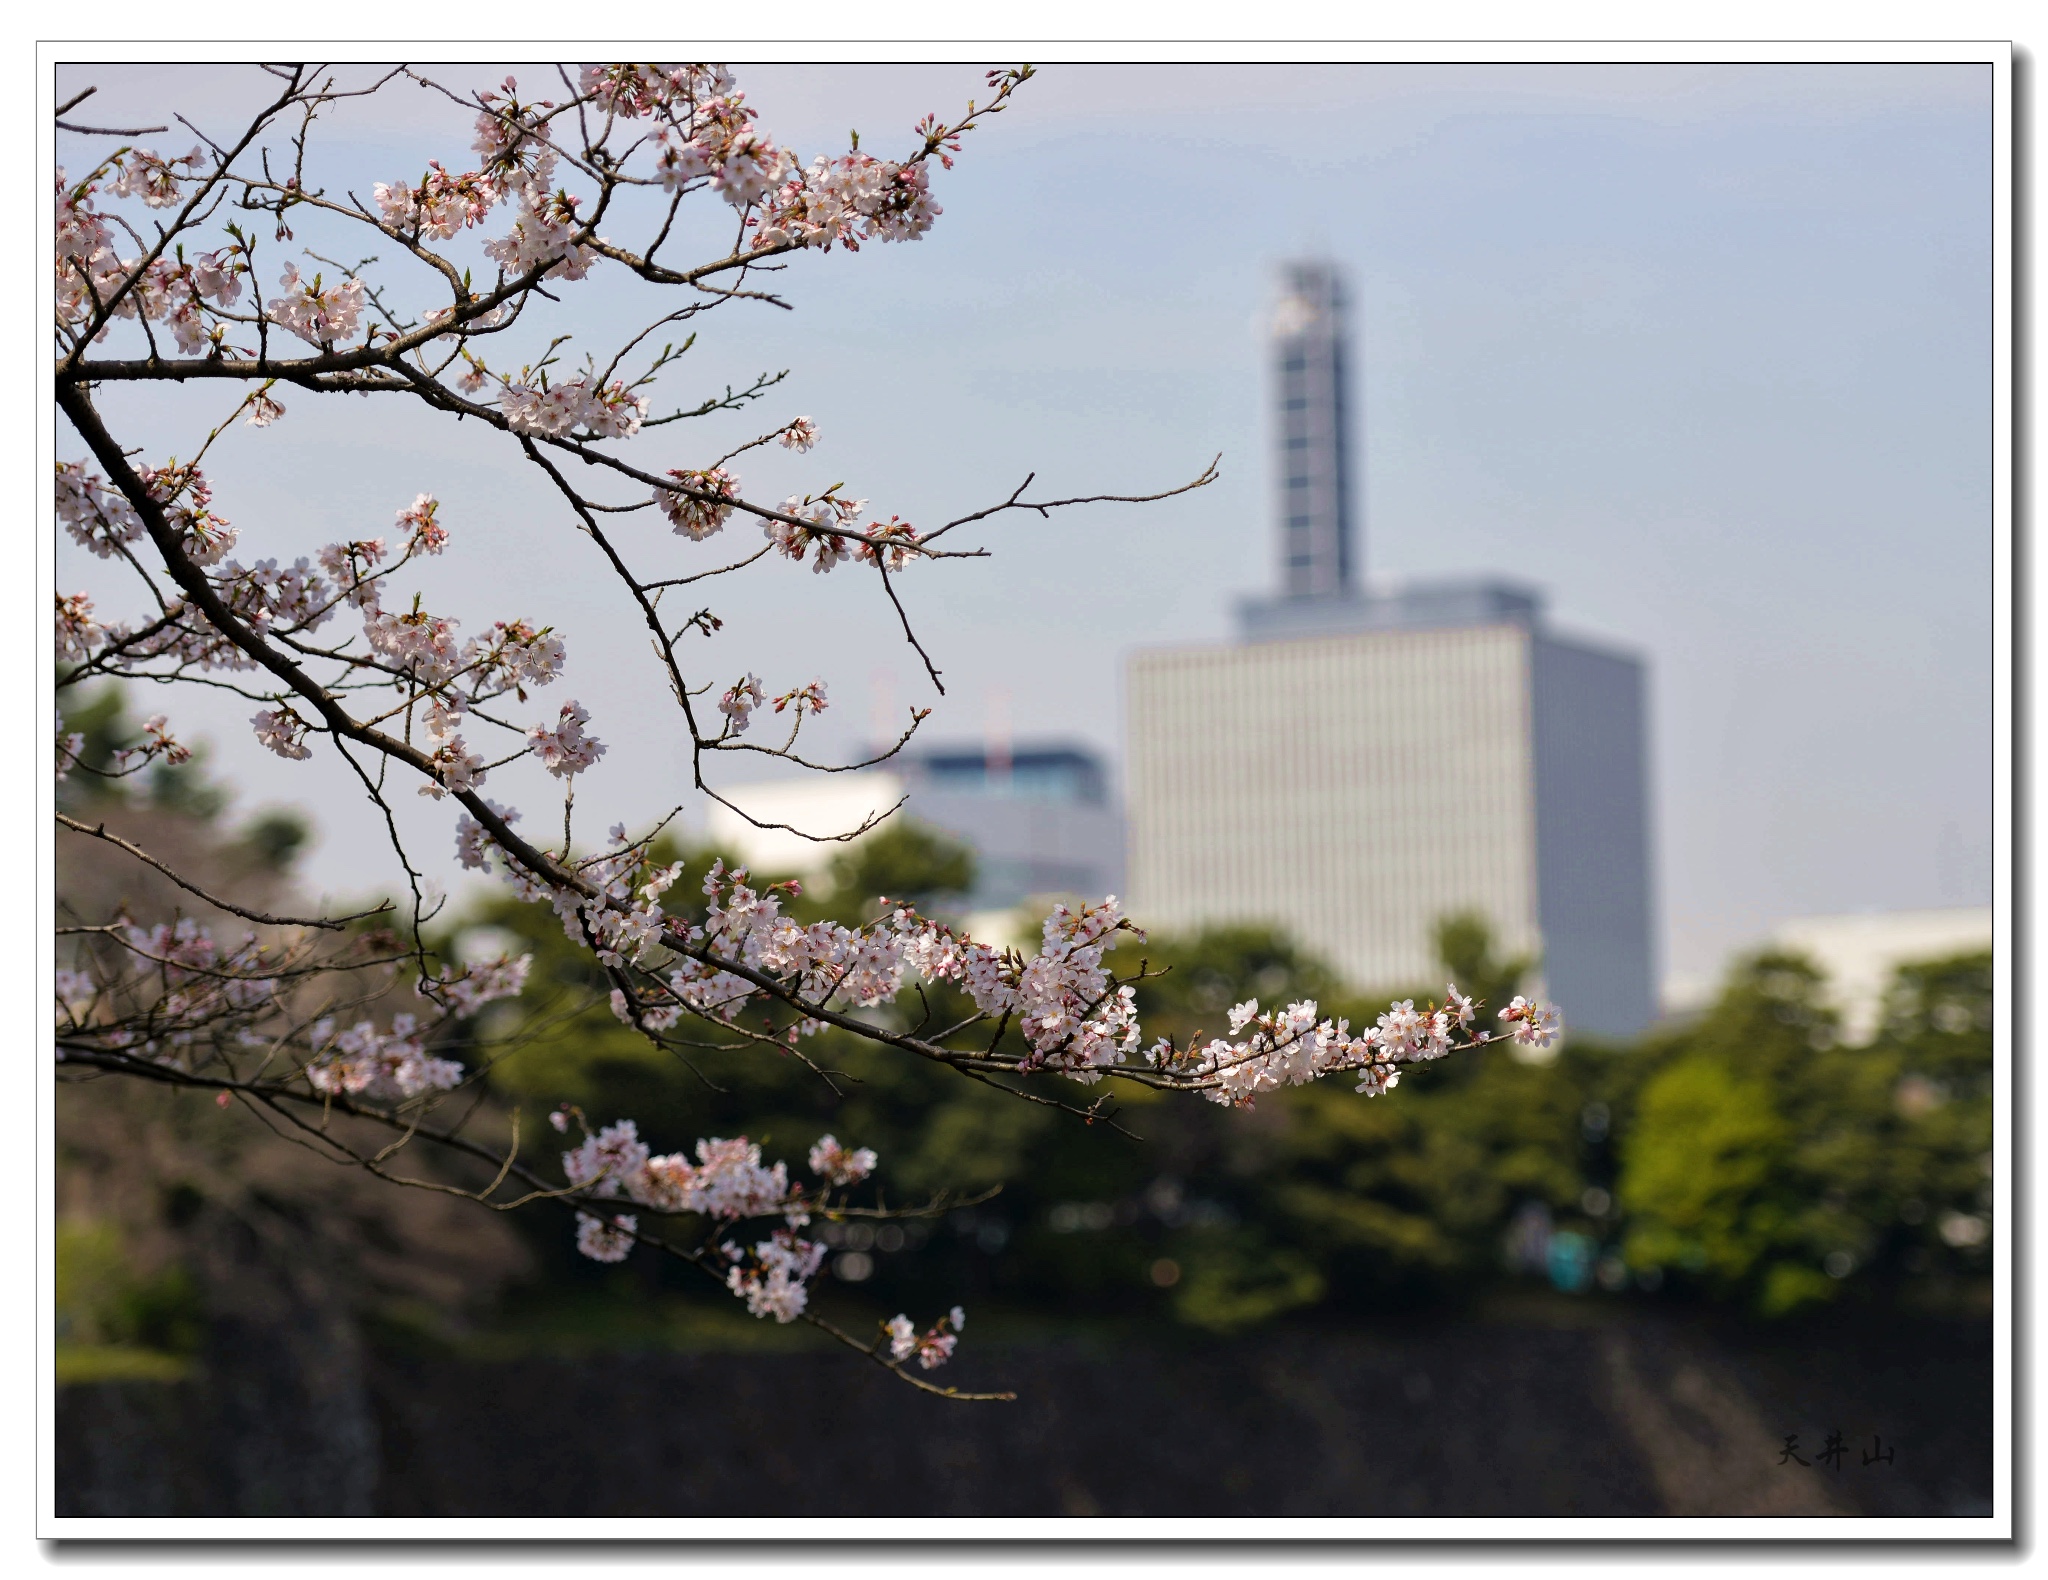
1859,952
812,812
1038,818
1365,766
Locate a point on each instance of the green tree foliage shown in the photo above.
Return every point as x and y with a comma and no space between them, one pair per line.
1763,1161
1358,1201
904,860
104,1302
1738,1153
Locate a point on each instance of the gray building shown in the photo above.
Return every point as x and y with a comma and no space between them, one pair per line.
1039,818
1362,764
1312,447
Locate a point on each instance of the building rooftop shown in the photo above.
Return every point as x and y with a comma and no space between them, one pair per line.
1048,771
1479,600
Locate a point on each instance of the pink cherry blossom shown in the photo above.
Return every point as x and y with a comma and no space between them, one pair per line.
565,749
283,732
700,506
322,314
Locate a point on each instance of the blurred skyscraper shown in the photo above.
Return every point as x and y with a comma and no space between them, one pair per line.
1312,436
1363,764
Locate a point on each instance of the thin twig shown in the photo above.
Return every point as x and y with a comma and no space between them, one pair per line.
334,924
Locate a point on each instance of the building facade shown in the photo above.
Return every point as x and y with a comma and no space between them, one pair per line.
1362,764
1311,433
1039,818
1355,787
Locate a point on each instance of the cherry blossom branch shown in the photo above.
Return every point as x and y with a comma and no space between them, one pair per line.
401,700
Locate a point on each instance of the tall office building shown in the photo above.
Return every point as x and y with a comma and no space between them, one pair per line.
1311,437
1362,764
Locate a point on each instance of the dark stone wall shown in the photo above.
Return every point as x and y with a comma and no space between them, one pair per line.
1628,1417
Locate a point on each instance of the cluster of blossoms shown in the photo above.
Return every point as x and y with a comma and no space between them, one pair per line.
542,237
838,1165
933,1347
807,698
99,517
323,315
353,566
456,767
157,743
440,206
180,987
1071,1014
772,1279
738,703
1063,1002
823,960
472,843
172,987
617,922
896,545
512,141
565,749
848,200
282,731
422,524
1295,1045
601,411
711,137
388,1066
818,523
186,498
1292,1046
726,1181
269,597
263,409
702,505
518,167
1533,1025
76,993
173,291
606,1239
298,597
78,633
292,599
69,745
480,983
511,657
142,174
630,91
420,644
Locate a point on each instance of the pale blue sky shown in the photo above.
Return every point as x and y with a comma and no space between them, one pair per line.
1705,352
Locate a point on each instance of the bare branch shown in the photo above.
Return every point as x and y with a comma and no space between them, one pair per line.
337,923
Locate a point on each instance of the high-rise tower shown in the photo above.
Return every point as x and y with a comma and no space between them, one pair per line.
1366,762
1318,558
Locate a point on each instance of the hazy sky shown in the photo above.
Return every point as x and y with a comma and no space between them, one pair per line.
1705,352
